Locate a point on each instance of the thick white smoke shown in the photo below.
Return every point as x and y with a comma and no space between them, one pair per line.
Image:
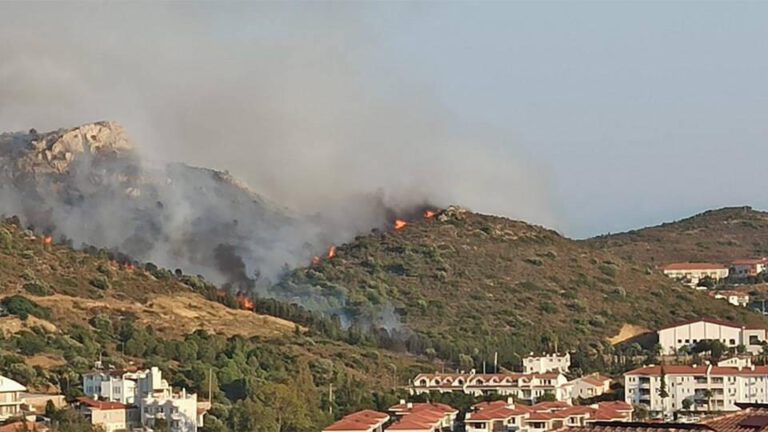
298,101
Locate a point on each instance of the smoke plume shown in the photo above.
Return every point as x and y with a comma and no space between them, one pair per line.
302,102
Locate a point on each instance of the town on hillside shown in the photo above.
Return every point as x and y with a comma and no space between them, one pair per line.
741,282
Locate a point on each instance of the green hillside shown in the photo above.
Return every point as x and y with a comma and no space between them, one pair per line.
714,236
471,285
62,310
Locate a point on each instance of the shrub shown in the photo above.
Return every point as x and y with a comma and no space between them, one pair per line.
37,288
23,307
100,282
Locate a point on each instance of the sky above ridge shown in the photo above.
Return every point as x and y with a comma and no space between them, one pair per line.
590,117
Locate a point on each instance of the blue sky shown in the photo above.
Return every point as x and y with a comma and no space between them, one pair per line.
618,114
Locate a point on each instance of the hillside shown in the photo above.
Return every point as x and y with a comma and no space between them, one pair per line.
63,309
473,284
716,236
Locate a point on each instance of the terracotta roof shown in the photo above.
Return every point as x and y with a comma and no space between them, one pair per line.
595,379
739,421
546,406
700,370
638,427
616,405
19,426
694,266
419,406
496,413
359,421
102,405
411,424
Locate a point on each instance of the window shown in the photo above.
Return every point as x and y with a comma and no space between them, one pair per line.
687,341
733,341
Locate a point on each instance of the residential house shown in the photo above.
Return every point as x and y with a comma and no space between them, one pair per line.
590,386
151,394
541,417
526,387
24,426
746,268
10,398
546,363
692,273
735,298
36,402
409,411
697,387
112,416
361,421
684,334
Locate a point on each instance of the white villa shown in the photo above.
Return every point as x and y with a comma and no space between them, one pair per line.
10,398
676,336
692,273
150,394
704,387
546,363
528,387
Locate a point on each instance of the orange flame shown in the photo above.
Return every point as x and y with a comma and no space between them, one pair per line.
48,240
429,214
244,302
400,224
331,252
315,260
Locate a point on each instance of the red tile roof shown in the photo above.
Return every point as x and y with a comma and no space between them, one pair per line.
694,266
360,421
638,427
102,405
700,370
733,422
19,426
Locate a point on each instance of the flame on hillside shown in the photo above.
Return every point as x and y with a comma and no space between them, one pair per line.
400,224
244,301
48,240
315,260
331,252
429,214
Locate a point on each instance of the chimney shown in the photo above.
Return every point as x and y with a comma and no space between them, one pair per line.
409,405
402,401
510,402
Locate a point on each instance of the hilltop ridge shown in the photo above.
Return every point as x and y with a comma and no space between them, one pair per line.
720,235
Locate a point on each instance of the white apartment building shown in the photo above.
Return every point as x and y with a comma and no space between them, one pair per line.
151,393
10,398
692,273
547,363
676,336
704,387
527,387
591,385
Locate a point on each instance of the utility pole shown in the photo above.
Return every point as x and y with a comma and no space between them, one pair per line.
496,362
210,385
330,399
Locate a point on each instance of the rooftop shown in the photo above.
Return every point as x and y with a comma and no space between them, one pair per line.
694,266
9,385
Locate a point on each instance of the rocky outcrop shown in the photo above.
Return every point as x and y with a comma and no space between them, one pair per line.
54,152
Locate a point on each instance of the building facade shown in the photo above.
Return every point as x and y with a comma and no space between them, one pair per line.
527,387
546,363
697,388
688,333
692,273
10,398
742,269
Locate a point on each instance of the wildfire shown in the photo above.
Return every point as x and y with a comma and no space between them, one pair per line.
400,224
315,260
47,240
244,302
429,214
331,252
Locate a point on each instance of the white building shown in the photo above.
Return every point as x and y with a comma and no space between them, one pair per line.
546,363
10,398
528,387
590,386
153,396
735,298
704,387
692,273
676,336
111,416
